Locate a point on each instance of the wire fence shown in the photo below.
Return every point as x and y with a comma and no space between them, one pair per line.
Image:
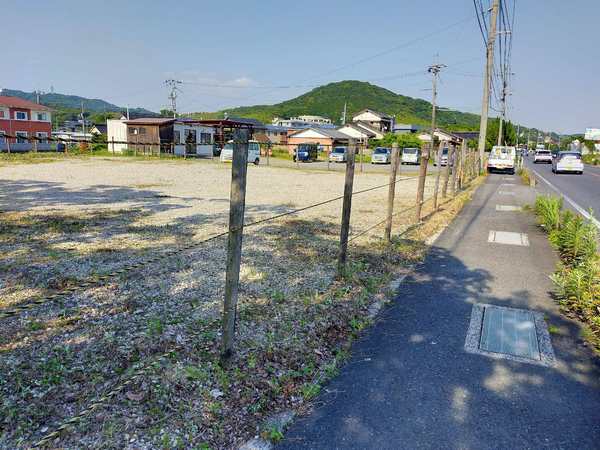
459,172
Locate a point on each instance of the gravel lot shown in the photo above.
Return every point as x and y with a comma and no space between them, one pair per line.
72,220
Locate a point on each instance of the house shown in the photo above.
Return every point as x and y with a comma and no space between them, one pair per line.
98,129
25,121
276,134
178,136
442,135
323,136
356,132
467,135
378,134
116,134
302,122
404,128
379,121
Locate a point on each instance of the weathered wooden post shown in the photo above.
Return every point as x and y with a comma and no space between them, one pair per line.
455,169
387,236
361,156
328,155
425,151
438,175
237,204
447,171
346,208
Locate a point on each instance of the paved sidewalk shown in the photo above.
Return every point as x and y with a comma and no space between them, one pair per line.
410,383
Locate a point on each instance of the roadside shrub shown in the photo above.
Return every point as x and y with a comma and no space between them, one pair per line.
592,159
576,239
525,175
579,289
548,209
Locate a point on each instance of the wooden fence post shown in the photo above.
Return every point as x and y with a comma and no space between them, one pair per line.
438,175
451,160
346,208
361,156
237,204
425,152
455,168
391,192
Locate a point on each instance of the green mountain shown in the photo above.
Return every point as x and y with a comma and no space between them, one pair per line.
69,106
328,101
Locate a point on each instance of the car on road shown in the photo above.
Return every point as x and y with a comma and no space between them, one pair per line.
567,162
253,152
443,158
306,152
339,154
411,155
542,156
502,159
381,155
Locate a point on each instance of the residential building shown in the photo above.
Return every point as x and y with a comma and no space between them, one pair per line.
384,123
442,135
378,134
276,135
183,137
299,123
324,137
404,128
317,120
98,129
25,121
357,132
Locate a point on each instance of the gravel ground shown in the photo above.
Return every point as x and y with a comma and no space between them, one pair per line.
73,220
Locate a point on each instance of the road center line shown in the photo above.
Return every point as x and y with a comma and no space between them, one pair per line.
578,208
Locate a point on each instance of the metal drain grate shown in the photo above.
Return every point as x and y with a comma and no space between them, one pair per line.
509,333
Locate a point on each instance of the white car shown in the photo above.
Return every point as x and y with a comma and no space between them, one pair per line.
567,162
339,154
542,156
381,155
411,155
253,152
502,159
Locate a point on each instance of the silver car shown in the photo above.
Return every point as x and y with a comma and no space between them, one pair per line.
381,155
567,162
339,154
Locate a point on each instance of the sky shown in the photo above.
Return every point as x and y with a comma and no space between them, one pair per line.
261,52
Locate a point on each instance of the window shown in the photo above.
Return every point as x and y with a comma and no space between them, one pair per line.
2,113
176,137
42,137
21,137
133,130
205,138
142,130
190,136
20,115
41,116
2,138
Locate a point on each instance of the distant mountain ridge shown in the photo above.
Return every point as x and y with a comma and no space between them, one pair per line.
328,101
65,101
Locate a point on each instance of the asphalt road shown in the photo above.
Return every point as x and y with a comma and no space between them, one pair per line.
581,192
410,384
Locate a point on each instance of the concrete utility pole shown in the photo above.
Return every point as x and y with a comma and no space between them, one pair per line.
434,70
502,114
487,79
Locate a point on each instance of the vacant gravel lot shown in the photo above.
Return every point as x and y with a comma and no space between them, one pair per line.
72,220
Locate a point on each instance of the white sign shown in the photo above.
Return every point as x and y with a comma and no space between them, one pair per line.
592,134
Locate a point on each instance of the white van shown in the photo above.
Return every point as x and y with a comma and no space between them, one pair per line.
411,155
253,152
502,159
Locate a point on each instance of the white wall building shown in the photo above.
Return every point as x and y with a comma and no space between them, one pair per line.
116,130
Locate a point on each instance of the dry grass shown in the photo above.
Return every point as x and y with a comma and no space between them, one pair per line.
78,219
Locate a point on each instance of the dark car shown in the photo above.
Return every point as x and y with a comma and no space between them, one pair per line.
306,152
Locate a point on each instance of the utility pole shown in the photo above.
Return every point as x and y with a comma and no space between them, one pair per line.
502,114
82,122
344,114
434,70
172,84
487,79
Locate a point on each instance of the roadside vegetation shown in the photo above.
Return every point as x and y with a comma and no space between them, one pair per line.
592,159
525,175
577,278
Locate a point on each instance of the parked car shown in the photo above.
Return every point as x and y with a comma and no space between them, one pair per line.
411,155
339,154
567,162
306,152
381,155
443,159
253,152
502,159
542,156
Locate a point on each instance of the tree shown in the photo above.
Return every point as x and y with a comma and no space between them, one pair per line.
403,140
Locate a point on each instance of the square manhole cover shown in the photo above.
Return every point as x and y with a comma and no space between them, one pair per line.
508,238
508,208
509,333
